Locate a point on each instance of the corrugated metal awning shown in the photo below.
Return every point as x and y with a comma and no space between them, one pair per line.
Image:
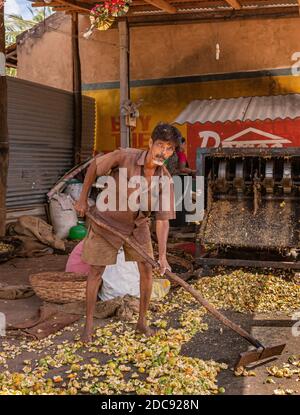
241,109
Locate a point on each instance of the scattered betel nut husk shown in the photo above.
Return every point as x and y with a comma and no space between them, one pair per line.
136,364
247,292
283,372
241,371
281,391
5,247
154,365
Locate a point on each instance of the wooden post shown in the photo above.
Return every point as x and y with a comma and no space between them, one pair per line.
76,89
124,79
3,125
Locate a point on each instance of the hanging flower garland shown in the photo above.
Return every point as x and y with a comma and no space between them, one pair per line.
104,13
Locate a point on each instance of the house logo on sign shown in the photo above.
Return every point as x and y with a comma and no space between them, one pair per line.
258,138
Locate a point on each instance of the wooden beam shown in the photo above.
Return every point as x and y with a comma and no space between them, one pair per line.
163,5
211,16
235,4
72,11
63,9
76,5
12,56
124,80
3,125
69,3
42,4
77,89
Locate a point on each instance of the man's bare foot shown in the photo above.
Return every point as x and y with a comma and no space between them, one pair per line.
144,329
86,336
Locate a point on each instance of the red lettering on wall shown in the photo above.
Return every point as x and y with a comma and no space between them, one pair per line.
140,140
145,121
116,139
115,123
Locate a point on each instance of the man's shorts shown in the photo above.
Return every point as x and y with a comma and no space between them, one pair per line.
99,251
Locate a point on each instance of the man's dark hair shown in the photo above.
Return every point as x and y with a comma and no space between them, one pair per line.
182,140
166,132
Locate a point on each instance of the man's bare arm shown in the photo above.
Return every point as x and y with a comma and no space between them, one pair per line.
99,167
82,205
162,232
187,170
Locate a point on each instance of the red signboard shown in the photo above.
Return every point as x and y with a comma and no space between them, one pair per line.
267,133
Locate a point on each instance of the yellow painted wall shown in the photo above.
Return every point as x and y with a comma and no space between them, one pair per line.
164,103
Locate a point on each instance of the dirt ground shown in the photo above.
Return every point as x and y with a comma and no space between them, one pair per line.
217,343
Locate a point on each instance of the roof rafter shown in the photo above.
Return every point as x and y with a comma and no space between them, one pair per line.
75,5
163,5
43,4
235,4
174,9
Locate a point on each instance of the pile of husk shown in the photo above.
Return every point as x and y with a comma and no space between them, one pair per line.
246,291
119,361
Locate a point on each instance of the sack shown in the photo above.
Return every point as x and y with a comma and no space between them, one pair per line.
123,278
63,214
120,279
74,190
37,236
75,263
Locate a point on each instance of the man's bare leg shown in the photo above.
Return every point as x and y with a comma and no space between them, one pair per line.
94,282
145,295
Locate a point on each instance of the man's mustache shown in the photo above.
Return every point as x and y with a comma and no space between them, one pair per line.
161,157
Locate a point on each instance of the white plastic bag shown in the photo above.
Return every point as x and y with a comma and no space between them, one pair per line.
124,278
63,215
120,279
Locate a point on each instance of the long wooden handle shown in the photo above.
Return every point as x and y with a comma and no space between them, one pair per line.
179,281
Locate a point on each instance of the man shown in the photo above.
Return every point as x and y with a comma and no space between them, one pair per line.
182,159
172,163
100,247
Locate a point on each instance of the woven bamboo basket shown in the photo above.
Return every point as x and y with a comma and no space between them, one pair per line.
59,287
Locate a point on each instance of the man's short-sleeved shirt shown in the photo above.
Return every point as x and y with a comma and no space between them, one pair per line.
126,166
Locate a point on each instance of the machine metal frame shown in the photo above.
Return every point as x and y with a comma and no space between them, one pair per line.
206,259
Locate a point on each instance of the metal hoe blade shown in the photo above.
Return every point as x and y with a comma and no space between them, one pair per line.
261,353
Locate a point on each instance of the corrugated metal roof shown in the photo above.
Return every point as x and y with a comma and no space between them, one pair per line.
146,8
241,109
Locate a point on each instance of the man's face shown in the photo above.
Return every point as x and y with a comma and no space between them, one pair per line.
160,151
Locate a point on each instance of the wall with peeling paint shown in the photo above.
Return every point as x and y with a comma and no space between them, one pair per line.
44,53
165,51
170,66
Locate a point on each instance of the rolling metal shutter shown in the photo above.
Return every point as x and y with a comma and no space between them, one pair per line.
40,122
